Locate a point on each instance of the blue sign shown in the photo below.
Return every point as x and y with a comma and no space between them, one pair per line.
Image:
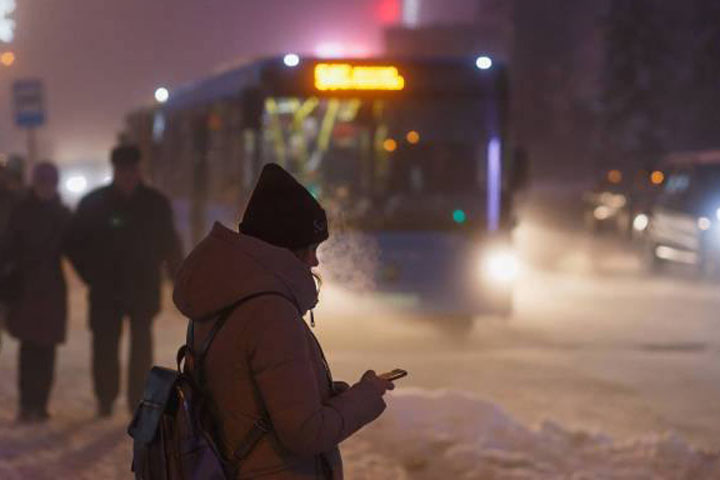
28,102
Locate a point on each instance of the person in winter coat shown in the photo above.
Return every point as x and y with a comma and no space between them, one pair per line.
266,363
8,198
37,309
120,238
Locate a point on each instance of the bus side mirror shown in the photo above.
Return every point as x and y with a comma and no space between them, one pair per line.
519,171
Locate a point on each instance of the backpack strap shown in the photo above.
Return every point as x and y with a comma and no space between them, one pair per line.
261,425
247,444
222,316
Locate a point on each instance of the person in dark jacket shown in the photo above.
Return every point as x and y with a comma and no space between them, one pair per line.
37,309
9,194
266,362
8,197
120,238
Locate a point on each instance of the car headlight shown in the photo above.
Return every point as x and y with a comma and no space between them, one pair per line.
602,212
613,200
640,222
500,266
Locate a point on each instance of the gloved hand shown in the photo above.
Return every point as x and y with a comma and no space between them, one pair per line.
340,387
379,384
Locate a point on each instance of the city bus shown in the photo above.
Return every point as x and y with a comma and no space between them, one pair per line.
409,158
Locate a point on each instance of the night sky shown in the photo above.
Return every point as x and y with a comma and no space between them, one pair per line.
102,58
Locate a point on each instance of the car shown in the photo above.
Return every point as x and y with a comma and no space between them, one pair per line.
683,224
620,201
605,204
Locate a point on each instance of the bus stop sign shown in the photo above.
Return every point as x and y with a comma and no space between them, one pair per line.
28,102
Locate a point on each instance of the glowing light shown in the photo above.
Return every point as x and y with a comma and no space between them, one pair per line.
494,183
7,58
459,216
314,191
613,200
704,223
291,60
500,266
484,63
390,145
717,213
344,76
641,222
388,11
215,122
614,176
602,212
162,95
342,50
7,24
657,177
672,254
411,13
76,184
412,137
330,50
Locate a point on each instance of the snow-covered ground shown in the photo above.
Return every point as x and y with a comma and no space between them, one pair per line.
604,373
440,434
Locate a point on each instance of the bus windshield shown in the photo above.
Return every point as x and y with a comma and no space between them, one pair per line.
386,153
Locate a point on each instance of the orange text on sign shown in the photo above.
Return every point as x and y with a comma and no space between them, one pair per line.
344,76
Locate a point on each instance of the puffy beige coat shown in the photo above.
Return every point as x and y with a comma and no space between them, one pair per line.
266,361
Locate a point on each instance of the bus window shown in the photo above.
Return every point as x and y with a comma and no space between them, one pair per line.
408,152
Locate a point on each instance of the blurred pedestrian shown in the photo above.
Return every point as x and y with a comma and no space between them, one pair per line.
9,194
30,256
265,372
120,238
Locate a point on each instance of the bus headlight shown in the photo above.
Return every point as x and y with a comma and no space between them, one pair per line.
500,266
76,184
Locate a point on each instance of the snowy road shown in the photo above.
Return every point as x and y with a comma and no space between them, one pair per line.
604,372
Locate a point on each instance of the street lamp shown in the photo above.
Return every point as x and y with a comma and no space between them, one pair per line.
162,94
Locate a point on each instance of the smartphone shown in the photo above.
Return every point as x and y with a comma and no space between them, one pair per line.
393,375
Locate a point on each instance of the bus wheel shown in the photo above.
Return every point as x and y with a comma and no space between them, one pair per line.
708,269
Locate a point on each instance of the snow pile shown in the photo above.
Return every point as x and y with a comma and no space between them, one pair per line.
437,435
422,435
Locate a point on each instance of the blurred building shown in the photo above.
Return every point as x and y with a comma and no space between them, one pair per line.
557,71
488,32
554,51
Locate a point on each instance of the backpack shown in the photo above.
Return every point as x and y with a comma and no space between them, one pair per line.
173,429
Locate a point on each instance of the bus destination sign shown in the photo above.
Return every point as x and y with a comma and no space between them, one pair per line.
348,77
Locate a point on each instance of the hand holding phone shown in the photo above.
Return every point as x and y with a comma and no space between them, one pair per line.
393,375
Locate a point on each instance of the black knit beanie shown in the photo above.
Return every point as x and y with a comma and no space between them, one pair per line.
283,213
125,156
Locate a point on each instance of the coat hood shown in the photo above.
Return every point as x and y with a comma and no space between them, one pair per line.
227,266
